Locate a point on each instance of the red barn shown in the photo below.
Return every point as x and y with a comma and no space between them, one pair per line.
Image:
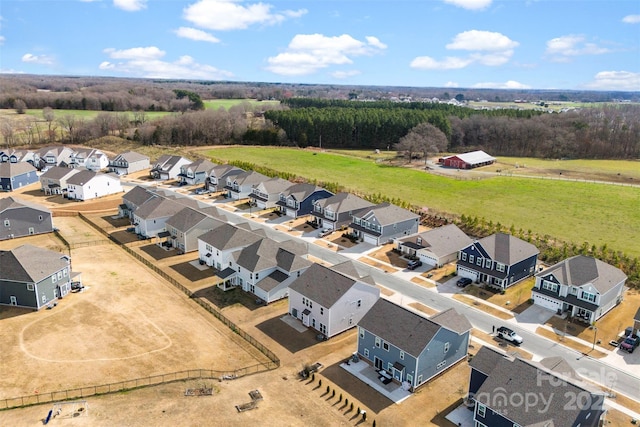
473,159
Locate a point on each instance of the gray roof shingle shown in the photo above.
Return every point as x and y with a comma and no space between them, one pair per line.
30,264
507,249
441,241
387,214
322,285
581,270
228,236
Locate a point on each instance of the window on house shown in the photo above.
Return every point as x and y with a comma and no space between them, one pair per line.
321,311
441,364
59,275
481,410
64,272
549,286
30,287
389,366
361,333
7,223
366,352
54,278
359,303
471,259
378,342
463,256
479,262
446,347
40,217
32,230
401,355
587,296
487,263
385,345
500,267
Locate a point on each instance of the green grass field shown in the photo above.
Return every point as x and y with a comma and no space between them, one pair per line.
214,104
571,211
91,114
627,168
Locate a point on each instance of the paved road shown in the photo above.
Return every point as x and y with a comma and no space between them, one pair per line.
617,380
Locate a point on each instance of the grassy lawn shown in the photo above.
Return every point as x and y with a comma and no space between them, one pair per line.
628,170
214,104
515,298
91,114
571,211
482,306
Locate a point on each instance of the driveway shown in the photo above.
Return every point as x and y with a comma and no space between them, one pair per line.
533,317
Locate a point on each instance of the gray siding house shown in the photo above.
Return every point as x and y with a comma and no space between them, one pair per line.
49,157
167,167
19,219
411,348
16,175
187,225
133,199
266,194
196,172
584,287
218,177
241,185
435,247
33,277
129,162
337,211
499,260
54,180
297,200
383,223
561,399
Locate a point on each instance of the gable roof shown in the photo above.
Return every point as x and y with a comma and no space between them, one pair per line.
8,170
137,195
28,263
387,214
322,285
349,268
580,270
452,320
200,165
58,172
158,207
130,157
81,177
301,191
266,253
510,376
275,185
187,218
14,203
228,236
441,241
344,202
167,162
507,249
473,157
248,178
221,171
406,330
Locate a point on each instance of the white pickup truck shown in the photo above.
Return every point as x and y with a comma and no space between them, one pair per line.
509,335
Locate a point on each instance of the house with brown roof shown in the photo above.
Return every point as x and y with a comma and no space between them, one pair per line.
33,277
582,286
409,348
329,301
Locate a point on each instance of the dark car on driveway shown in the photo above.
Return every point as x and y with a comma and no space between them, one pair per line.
412,265
630,343
464,281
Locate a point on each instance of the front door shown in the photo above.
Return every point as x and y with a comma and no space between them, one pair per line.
13,300
377,362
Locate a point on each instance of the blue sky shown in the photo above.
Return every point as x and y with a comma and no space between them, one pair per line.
538,44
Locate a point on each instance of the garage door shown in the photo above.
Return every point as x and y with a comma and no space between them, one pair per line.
370,239
545,302
465,272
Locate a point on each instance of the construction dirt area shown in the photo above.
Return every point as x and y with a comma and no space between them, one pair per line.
130,322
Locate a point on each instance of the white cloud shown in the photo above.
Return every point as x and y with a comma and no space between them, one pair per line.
345,74
486,48
195,34
146,62
130,5
224,15
481,40
615,80
560,49
449,63
451,84
631,19
37,59
470,4
2,39
509,84
140,53
308,53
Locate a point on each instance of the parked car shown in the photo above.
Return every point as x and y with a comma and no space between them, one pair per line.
325,232
413,264
630,343
509,335
464,281
202,190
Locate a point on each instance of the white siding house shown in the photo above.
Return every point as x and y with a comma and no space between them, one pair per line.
86,185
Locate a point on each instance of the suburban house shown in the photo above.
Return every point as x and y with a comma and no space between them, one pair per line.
384,222
54,180
241,185
16,175
435,247
218,177
196,172
267,193
33,277
498,380
87,185
133,199
89,158
187,225
48,157
329,301
266,268
409,347
129,162
297,200
19,218
151,217
217,247
581,286
473,159
167,167
336,211
498,260
16,156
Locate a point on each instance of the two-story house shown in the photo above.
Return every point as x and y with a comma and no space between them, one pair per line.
297,200
409,347
33,277
54,180
187,225
133,199
87,185
48,157
19,218
329,301
513,392
16,175
16,156
196,172
129,162
266,268
150,219
435,247
499,260
582,286
88,158
241,185
266,194
335,212
218,177
168,167
383,223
